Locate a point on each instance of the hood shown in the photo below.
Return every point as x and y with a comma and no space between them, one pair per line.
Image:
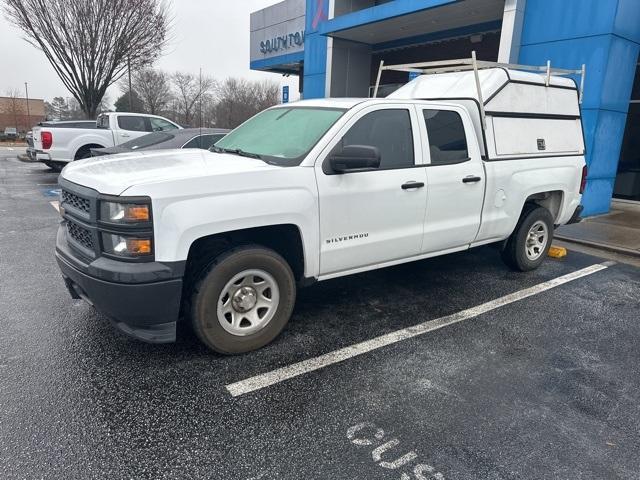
114,174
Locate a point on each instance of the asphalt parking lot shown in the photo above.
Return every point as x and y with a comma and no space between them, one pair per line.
532,376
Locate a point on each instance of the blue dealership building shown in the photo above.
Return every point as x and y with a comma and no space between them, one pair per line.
335,47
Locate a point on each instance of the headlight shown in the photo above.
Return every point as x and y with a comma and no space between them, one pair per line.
115,212
126,246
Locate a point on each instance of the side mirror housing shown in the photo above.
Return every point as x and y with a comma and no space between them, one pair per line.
355,158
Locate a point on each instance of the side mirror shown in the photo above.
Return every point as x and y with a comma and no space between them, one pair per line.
353,158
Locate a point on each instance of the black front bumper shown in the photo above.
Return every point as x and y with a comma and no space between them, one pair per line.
141,300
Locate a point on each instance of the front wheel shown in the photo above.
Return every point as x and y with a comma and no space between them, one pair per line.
529,243
243,300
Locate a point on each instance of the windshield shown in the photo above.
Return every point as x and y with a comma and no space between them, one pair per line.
282,136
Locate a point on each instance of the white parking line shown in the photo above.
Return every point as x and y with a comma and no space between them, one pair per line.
281,374
55,205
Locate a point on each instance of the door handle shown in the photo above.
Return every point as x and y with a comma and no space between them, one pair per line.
125,135
412,185
471,179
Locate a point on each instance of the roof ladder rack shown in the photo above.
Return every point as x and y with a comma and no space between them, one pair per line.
466,64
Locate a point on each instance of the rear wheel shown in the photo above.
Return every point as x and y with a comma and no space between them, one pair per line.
242,300
528,245
84,152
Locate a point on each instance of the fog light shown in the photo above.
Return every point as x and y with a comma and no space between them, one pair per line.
126,246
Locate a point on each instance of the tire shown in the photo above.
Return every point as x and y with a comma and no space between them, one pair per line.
82,154
55,166
221,311
527,246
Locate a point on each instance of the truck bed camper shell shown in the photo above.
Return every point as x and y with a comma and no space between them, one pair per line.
519,111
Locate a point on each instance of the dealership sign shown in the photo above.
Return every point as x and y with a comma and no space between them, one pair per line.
282,42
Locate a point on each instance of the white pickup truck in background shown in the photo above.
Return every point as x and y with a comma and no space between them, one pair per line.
320,189
55,147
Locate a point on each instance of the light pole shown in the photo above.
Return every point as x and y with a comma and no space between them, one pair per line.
130,92
26,90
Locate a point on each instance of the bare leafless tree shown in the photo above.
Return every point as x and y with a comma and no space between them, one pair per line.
239,99
189,90
152,86
90,43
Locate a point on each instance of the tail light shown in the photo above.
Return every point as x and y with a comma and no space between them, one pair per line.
583,180
47,140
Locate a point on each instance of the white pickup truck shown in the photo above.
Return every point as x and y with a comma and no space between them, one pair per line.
56,146
316,190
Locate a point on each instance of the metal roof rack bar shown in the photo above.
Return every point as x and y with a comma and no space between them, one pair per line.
466,64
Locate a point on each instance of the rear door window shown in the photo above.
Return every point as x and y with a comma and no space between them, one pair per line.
447,138
134,123
103,121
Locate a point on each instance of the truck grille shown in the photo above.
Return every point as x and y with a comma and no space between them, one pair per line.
80,234
76,202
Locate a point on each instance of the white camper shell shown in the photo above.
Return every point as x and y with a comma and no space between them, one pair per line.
516,113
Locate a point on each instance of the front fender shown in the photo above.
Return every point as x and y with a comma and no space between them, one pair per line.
179,222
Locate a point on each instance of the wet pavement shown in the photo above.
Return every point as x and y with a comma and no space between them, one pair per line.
618,230
546,386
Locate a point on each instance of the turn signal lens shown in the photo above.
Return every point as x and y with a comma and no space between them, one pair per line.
124,212
137,246
126,246
139,213
583,180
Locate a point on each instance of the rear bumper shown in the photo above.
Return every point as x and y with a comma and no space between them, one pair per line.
42,156
146,310
576,218
31,154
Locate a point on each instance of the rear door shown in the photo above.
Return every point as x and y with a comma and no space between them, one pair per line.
130,127
376,216
455,178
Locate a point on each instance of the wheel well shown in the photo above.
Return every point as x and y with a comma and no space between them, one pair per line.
284,239
86,147
552,201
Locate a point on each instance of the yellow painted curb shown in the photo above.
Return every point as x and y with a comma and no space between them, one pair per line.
557,252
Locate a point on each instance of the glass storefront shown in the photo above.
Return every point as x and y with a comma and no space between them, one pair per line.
628,178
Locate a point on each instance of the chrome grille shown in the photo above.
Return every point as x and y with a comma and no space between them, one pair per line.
80,234
76,202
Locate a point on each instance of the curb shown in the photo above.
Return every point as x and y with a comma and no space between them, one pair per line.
602,246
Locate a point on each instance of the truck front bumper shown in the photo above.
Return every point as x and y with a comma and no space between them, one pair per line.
144,309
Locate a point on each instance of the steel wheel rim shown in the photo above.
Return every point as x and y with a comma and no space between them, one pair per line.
248,302
537,240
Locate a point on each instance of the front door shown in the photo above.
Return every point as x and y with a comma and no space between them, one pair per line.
372,217
455,179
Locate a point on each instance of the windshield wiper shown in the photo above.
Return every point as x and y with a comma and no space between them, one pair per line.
236,151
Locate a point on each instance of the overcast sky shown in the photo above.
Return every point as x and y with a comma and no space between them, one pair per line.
212,34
